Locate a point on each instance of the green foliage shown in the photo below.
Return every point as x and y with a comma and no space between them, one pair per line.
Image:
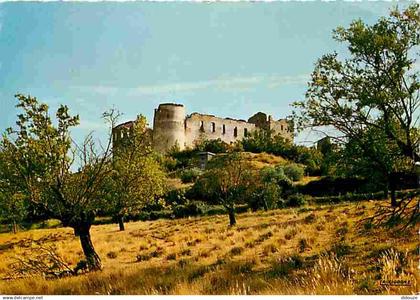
137,178
293,171
296,200
267,196
39,154
182,159
13,208
275,175
175,197
335,186
214,146
191,209
190,175
370,96
228,181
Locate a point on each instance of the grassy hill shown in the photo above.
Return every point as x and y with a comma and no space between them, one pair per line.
313,250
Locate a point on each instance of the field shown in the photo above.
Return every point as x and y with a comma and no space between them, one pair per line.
312,250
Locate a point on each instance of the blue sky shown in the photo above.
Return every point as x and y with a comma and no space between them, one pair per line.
226,59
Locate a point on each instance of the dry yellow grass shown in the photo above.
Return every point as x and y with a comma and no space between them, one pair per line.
317,250
261,160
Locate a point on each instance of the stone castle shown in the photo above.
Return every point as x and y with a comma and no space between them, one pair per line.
171,126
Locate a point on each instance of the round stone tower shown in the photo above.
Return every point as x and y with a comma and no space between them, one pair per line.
169,127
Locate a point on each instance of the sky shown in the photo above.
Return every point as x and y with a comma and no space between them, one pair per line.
226,59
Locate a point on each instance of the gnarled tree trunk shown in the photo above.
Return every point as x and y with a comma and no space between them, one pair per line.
92,258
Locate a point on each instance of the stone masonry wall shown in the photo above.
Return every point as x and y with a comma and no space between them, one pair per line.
172,127
206,127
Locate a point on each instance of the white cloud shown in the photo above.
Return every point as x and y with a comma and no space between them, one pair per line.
223,83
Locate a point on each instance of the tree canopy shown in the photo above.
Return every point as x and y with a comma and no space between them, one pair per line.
371,96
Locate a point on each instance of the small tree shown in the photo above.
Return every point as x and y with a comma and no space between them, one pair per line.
228,180
39,158
137,177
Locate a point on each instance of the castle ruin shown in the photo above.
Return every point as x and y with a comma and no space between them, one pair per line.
171,126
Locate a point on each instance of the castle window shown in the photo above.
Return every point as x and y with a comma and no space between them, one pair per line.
224,129
281,127
245,132
201,126
213,127
235,132
121,134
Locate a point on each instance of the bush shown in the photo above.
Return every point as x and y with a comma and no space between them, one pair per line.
155,205
293,172
265,197
198,192
190,175
330,186
275,175
296,200
188,210
176,197
214,146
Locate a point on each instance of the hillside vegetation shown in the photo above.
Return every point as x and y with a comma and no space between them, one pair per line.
311,250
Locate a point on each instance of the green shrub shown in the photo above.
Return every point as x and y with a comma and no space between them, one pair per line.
176,197
296,200
190,175
293,172
275,175
214,146
265,197
188,210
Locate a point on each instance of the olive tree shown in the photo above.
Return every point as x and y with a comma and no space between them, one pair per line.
228,180
40,156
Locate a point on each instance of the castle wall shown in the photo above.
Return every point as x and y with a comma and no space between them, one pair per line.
172,127
281,127
206,127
